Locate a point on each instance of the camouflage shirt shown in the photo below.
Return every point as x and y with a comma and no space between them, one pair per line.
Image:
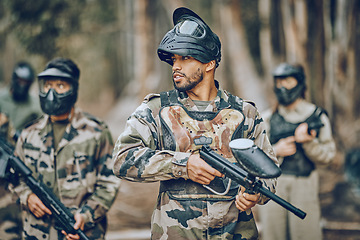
79,172
139,156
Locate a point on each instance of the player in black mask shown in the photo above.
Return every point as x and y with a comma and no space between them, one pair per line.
58,87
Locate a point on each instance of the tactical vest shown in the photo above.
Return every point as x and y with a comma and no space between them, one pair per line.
187,131
298,164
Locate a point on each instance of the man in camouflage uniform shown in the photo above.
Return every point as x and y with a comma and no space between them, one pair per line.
163,136
299,151
70,152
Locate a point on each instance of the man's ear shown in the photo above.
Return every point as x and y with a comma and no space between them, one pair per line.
210,65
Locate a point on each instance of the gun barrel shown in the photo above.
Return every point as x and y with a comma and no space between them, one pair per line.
298,212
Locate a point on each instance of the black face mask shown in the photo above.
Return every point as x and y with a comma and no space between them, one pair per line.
53,103
288,96
20,92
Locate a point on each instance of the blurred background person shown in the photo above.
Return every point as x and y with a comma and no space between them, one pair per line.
10,213
17,109
300,133
16,101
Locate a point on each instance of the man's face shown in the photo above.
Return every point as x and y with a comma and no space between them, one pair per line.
187,72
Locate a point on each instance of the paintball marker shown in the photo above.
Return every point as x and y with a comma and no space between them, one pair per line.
314,125
254,164
63,217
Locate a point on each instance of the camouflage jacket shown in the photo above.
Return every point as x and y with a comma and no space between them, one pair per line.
139,155
79,172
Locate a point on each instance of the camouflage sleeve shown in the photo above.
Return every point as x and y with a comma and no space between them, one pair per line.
137,155
255,130
107,184
22,190
322,149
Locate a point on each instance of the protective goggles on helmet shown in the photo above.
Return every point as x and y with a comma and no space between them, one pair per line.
190,28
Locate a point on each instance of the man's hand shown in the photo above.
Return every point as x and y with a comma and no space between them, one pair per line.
199,171
36,206
245,201
301,133
80,222
285,147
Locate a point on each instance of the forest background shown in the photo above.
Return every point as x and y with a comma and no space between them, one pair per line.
114,43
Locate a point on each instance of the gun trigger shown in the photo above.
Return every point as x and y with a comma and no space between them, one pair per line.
217,193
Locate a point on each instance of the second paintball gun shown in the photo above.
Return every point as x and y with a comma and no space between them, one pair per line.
254,164
63,217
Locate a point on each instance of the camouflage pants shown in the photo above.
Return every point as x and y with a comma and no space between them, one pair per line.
10,215
199,219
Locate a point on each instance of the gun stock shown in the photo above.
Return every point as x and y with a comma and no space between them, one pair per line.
245,179
63,217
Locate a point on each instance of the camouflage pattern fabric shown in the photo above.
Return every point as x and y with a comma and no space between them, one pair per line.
10,213
139,156
183,132
79,172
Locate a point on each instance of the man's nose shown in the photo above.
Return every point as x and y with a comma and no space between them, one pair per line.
176,66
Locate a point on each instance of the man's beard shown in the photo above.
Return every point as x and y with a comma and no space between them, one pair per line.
190,82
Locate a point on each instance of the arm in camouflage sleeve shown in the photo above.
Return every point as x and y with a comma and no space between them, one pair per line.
107,184
255,130
22,190
321,150
137,155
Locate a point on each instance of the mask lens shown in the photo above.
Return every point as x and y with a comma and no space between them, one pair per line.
60,86
190,28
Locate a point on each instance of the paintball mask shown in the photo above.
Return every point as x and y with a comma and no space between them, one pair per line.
52,102
22,78
287,96
191,36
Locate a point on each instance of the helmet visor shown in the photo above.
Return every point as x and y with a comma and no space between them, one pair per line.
190,28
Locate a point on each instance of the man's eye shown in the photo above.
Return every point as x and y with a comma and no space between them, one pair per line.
173,59
186,58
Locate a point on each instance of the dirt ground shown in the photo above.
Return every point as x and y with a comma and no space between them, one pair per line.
133,206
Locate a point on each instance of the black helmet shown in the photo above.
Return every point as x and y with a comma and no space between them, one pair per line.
288,70
288,96
22,78
191,36
54,103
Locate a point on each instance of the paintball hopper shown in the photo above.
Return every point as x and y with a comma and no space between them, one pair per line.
253,160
